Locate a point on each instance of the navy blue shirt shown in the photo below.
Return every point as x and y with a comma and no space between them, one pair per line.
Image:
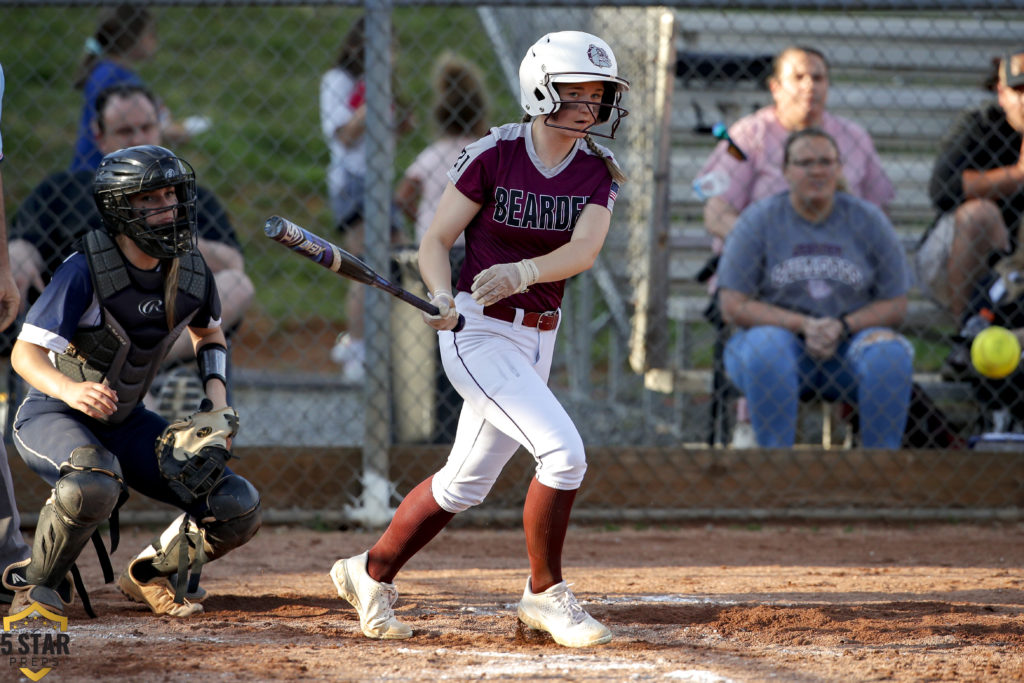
69,303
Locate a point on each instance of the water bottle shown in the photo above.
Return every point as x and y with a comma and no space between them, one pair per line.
710,185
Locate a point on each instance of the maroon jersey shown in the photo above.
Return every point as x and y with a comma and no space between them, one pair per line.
527,209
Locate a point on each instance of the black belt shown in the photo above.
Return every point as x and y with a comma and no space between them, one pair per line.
546,321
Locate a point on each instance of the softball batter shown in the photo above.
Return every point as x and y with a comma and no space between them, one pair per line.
534,200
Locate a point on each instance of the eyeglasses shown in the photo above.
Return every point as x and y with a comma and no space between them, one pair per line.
823,162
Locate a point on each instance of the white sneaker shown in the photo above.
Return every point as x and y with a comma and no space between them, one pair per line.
350,354
347,349
557,612
373,600
353,372
743,436
158,595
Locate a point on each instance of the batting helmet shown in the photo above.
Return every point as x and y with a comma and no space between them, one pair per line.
130,171
570,57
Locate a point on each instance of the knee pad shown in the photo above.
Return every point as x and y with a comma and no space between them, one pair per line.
235,514
89,487
84,496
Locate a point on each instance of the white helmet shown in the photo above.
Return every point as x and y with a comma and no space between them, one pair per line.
570,57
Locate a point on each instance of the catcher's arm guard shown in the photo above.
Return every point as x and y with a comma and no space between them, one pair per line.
193,452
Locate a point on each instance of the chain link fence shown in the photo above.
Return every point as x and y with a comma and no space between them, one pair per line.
338,430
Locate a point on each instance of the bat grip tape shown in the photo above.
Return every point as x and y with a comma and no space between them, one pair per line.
212,360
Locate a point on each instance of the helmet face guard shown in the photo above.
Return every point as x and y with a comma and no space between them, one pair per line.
571,57
134,170
602,112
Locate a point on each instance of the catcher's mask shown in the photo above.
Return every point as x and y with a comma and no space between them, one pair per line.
130,171
571,57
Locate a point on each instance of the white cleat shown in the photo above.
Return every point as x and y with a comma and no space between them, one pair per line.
374,601
557,612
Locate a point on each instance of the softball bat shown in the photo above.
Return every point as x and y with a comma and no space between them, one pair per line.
334,258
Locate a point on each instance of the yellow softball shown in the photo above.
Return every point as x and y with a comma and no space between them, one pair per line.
995,352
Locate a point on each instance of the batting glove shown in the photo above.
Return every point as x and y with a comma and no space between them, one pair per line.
447,316
503,280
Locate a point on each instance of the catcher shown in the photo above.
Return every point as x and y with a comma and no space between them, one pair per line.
89,348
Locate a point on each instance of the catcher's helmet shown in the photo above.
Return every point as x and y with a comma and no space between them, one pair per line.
570,57
141,169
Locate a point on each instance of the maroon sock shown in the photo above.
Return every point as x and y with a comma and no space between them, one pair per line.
418,519
545,520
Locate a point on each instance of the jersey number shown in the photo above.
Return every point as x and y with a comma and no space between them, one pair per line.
460,163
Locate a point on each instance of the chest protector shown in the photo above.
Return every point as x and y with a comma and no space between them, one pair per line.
105,353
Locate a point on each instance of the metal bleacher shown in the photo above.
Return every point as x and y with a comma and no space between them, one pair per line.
903,76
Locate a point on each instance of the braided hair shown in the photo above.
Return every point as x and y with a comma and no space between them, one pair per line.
614,170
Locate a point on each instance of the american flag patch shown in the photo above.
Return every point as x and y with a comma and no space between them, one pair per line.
613,193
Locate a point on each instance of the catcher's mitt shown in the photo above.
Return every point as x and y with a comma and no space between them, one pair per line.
193,452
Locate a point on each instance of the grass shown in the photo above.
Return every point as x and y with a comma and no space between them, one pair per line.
255,72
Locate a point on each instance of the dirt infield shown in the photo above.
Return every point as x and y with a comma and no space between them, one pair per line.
704,603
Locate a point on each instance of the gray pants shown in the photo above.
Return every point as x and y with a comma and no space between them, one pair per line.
12,545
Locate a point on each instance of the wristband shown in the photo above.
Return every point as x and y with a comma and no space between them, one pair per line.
528,274
847,332
212,360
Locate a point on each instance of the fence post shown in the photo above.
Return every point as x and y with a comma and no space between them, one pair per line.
374,508
650,210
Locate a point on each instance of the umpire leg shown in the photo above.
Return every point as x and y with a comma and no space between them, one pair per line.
12,546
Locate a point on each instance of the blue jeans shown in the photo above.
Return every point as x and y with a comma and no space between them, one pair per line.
771,367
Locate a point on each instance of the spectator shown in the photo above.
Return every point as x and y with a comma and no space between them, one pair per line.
460,115
12,546
815,278
126,35
61,209
343,124
977,185
349,350
799,87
